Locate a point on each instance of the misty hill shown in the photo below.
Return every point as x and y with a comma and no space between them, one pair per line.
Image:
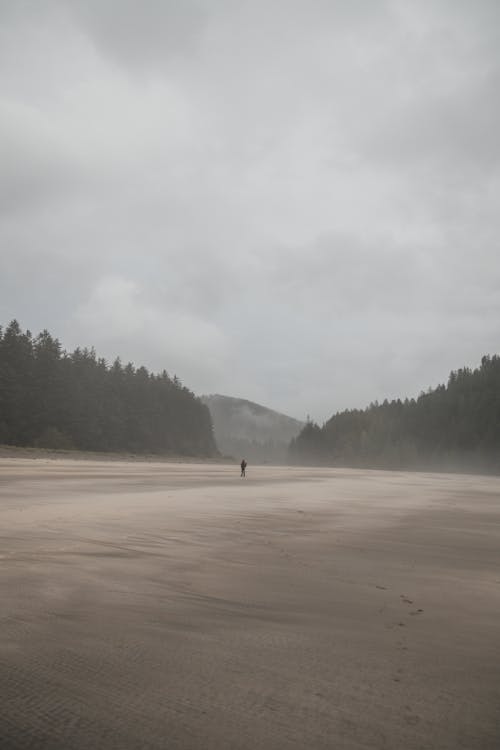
52,399
245,429
452,427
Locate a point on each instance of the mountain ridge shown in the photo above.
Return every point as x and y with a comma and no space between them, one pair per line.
246,428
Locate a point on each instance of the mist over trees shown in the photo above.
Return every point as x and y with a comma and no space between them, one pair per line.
452,427
53,399
245,429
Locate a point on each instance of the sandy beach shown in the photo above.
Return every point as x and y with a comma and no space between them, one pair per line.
178,606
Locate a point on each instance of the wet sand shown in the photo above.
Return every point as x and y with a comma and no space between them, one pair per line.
178,606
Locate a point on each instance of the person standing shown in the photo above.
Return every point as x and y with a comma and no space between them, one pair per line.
243,467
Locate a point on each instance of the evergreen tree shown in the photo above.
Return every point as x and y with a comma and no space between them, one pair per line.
454,426
57,400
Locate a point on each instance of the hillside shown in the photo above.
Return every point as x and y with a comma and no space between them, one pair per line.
452,427
244,428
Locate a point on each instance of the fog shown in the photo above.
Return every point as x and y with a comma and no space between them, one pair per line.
294,203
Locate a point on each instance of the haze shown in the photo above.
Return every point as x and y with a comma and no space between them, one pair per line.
291,202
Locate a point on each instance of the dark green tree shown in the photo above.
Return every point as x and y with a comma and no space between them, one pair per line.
57,400
452,427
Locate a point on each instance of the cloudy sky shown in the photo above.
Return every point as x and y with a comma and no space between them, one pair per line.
291,201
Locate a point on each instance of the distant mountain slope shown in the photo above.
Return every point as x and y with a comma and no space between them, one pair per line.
245,429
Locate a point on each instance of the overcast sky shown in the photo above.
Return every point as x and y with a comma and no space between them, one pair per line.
291,201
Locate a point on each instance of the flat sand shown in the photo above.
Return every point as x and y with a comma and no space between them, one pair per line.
166,606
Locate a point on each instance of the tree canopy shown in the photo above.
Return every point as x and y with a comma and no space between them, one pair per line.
454,426
55,399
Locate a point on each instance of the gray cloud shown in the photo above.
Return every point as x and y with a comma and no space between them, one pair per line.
291,202
157,31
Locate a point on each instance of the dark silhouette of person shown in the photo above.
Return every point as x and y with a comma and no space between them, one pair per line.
243,467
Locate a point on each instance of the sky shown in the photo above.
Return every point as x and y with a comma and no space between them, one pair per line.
291,201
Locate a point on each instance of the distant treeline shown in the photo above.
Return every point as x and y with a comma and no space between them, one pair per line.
53,399
452,427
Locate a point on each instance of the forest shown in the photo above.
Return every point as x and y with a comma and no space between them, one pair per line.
50,398
454,427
